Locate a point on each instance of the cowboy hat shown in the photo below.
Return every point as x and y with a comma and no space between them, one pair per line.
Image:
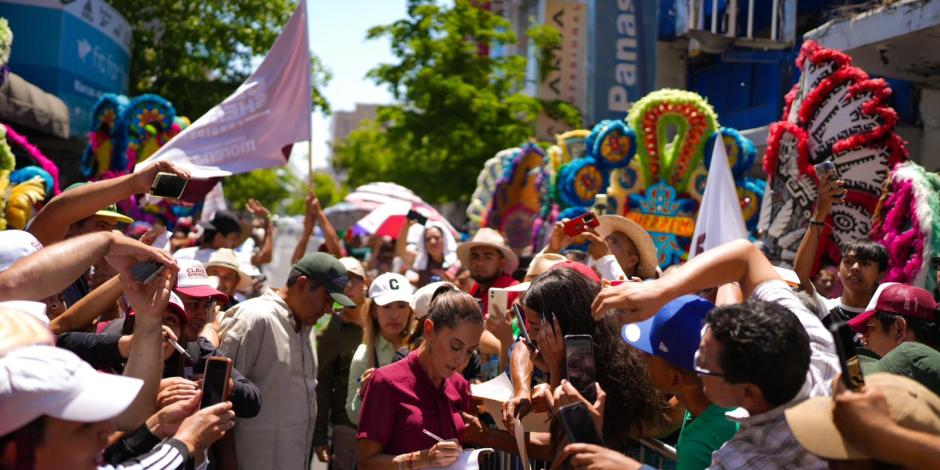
493,239
645,248
226,258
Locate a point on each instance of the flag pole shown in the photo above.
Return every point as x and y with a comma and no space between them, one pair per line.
310,161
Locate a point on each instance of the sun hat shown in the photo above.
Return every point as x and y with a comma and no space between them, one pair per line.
48,381
899,299
421,301
326,270
14,245
645,248
493,239
353,266
226,258
19,329
193,281
674,333
910,404
541,263
111,211
391,287
32,308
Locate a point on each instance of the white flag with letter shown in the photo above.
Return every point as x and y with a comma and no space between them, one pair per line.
719,216
257,125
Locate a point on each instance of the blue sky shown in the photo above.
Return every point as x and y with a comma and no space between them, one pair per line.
338,35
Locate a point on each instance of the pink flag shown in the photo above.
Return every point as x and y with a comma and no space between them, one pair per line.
256,126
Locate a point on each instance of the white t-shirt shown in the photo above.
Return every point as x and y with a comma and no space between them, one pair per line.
834,309
609,268
194,252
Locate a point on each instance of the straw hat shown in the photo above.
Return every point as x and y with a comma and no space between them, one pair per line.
910,404
649,258
226,258
491,238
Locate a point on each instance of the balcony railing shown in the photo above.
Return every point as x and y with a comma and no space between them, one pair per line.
723,26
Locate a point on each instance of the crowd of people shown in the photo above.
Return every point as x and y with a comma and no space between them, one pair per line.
365,356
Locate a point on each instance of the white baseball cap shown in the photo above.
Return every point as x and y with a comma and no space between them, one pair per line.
16,244
391,287
421,303
48,381
353,266
34,309
193,281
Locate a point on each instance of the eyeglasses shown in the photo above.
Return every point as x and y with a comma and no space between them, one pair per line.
697,366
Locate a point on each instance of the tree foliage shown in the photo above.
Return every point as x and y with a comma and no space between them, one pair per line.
281,190
458,105
196,53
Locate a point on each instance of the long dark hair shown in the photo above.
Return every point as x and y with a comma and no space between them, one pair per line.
633,404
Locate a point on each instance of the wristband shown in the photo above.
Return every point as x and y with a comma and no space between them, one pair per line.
816,222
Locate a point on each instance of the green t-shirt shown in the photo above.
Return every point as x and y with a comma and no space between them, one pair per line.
910,359
701,436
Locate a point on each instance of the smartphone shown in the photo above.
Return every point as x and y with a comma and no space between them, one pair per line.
579,360
844,337
578,424
417,217
168,185
828,168
579,224
215,379
145,271
520,319
498,303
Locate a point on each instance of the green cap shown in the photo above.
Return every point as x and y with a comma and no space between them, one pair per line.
329,273
110,211
910,359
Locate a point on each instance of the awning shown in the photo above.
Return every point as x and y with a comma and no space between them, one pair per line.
25,104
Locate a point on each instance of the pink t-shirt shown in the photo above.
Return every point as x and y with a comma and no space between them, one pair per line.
400,401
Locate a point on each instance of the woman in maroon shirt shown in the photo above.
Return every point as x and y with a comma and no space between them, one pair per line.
423,392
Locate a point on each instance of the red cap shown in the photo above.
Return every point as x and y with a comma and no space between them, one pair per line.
899,299
580,268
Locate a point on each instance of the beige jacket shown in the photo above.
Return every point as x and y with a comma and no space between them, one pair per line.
259,335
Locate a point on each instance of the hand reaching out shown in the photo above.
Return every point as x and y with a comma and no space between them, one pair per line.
165,422
206,426
124,252
566,394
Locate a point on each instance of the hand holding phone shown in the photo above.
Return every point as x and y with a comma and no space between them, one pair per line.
418,217
827,170
215,380
582,223
520,319
580,368
498,302
168,185
145,271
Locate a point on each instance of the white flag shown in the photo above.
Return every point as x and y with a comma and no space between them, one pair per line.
719,216
257,125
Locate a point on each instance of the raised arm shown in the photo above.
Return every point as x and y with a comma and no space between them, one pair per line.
330,237
265,254
145,360
52,222
806,253
738,261
401,245
53,268
81,315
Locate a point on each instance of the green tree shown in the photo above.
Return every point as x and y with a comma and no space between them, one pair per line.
458,105
281,190
196,53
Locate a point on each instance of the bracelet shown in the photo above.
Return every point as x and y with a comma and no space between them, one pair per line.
816,222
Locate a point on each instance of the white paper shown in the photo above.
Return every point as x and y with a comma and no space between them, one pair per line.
469,460
519,432
498,391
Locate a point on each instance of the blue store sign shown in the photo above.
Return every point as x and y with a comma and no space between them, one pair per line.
621,56
76,50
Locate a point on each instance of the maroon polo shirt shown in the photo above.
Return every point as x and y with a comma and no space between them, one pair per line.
401,401
502,282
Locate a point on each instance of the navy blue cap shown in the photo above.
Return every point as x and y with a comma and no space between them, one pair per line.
673,333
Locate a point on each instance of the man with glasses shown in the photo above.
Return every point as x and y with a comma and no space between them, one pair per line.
272,341
759,357
670,341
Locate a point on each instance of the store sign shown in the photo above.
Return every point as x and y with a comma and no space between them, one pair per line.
77,51
567,80
623,55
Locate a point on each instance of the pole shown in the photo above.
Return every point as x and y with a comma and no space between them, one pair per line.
310,161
